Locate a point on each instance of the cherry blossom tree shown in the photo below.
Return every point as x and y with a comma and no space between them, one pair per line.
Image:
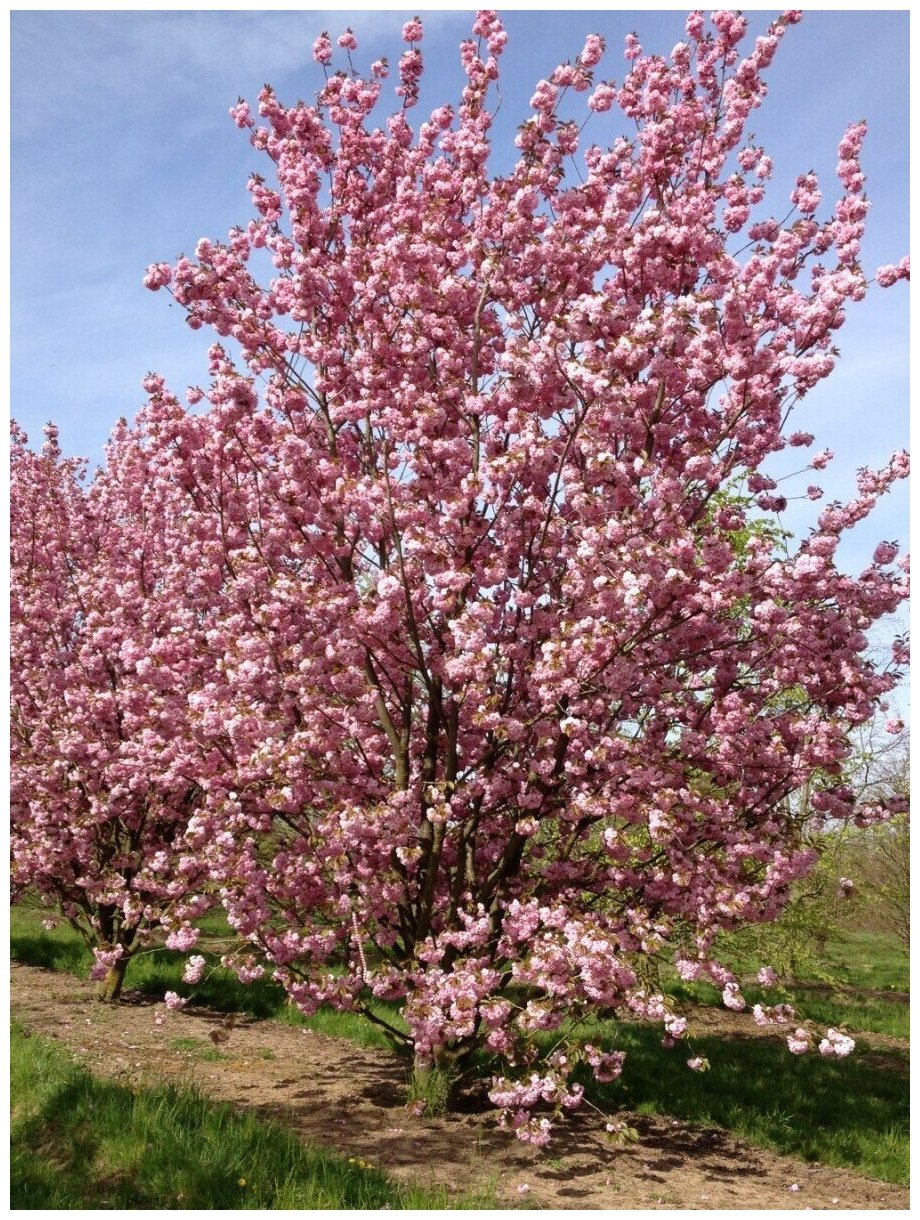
501,694
103,777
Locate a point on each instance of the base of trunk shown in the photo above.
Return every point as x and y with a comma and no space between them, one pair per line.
110,987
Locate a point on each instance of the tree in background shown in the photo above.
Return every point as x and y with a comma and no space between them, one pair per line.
876,858
103,642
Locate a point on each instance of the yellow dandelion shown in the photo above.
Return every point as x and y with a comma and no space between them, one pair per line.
241,1182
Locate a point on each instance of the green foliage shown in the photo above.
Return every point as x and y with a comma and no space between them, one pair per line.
82,1143
878,862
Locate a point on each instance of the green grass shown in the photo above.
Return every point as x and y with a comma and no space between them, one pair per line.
199,1049
870,959
860,1013
82,1143
873,960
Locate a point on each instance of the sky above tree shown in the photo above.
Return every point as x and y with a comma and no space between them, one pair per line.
123,154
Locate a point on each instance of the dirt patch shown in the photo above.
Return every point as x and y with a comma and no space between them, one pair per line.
350,1099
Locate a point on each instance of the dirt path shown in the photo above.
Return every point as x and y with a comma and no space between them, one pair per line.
352,1100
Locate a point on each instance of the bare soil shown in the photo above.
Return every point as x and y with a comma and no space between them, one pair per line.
352,1100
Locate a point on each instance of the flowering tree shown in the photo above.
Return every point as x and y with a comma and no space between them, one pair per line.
103,777
509,695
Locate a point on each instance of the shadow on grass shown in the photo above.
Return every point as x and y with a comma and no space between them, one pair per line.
50,952
80,1142
840,1112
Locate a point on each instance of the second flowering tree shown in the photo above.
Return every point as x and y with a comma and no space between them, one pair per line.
104,645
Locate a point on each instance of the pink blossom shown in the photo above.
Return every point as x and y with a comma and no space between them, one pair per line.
183,938
607,1066
889,274
732,997
885,552
105,959
158,275
194,969
592,51
242,117
689,971
322,49
602,98
845,887
836,1043
173,1001
675,1026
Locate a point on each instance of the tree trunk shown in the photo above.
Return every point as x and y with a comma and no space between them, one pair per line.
110,987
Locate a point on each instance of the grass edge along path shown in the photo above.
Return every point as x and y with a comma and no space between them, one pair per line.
82,1142
847,1114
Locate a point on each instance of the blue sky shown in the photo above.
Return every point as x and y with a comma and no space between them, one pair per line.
123,154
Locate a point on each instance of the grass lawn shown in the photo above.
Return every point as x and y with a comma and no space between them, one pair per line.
869,962
870,959
82,1143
